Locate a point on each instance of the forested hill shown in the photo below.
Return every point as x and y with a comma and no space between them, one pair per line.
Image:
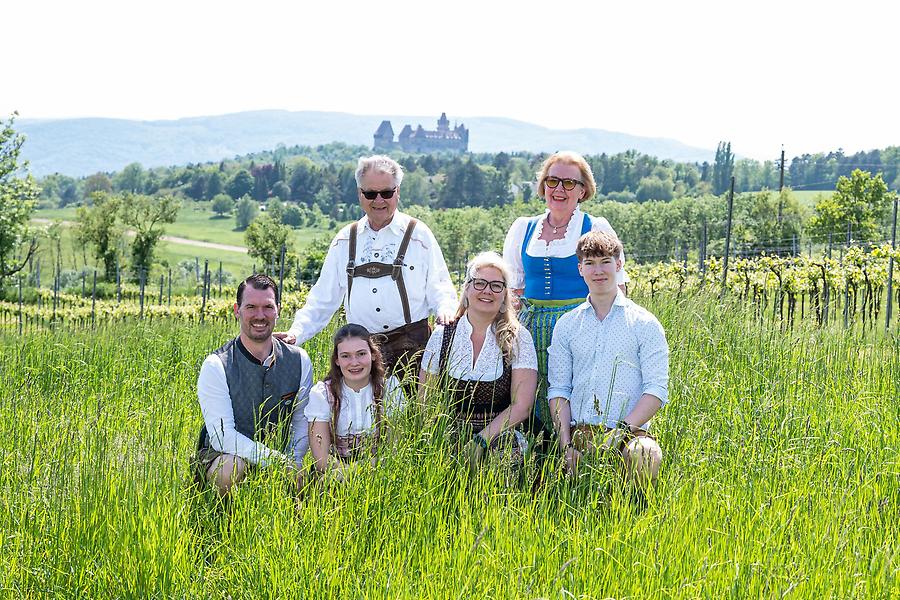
84,146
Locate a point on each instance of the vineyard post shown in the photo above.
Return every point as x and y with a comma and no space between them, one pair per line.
829,244
83,275
94,301
890,284
203,302
143,277
162,279
170,286
20,304
55,294
118,282
203,289
197,269
281,271
727,238
220,278
794,248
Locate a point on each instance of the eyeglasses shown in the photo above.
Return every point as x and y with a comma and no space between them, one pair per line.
568,184
480,284
372,194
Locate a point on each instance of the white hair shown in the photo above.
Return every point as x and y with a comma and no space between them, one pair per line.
379,164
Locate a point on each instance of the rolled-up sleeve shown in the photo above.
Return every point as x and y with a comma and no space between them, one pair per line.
559,362
653,351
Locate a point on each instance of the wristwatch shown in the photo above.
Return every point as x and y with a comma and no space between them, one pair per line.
479,439
624,426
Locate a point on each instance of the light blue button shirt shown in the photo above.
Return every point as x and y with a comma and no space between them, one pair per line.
604,367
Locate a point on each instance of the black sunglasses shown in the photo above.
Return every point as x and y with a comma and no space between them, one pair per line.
480,284
372,194
568,184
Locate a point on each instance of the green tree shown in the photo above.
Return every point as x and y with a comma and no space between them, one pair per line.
265,238
859,204
293,216
222,204
723,168
241,184
130,179
146,215
213,185
100,227
275,209
98,182
245,211
17,198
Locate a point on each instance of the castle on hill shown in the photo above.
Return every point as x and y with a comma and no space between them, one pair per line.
443,139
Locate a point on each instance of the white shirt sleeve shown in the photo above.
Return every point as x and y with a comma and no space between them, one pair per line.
440,295
512,252
601,224
324,298
432,355
299,424
319,408
218,415
526,356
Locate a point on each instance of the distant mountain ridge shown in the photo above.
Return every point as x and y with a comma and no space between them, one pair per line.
85,146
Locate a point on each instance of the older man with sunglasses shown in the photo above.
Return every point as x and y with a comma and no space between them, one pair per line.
388,271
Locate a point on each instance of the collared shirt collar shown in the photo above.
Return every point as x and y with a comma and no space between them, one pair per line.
346,389
620,300
397,225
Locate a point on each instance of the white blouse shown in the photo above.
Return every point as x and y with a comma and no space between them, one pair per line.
561,248
357,408
489,365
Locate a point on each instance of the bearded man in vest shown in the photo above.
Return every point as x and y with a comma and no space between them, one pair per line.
388,271
252,393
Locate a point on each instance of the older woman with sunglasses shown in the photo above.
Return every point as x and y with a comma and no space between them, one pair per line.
486,360
541,253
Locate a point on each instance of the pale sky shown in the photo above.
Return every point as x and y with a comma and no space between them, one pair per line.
813,76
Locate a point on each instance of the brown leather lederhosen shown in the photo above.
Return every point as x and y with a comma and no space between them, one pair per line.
409,340
475,403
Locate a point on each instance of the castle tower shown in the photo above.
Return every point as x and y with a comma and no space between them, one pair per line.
443,123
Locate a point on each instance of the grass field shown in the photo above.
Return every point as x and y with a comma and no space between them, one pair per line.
194,223
780,480
201,224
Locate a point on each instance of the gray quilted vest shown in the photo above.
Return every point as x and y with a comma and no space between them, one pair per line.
262,398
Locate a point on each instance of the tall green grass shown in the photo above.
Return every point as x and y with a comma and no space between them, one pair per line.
780,479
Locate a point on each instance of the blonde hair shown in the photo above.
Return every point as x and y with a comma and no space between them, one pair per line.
506,323
570,158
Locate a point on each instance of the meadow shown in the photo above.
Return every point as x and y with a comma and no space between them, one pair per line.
780,479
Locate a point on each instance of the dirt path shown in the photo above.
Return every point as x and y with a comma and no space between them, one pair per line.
170,238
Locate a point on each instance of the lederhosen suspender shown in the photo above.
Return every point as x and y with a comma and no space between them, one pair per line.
373,270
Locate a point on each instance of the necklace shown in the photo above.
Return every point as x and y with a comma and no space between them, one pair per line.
556,228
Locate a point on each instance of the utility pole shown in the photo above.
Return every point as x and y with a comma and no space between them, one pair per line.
781,182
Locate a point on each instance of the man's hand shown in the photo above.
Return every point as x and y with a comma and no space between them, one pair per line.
572,457
286,337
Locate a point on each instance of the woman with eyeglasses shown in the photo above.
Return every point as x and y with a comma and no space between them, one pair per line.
541,253
486,361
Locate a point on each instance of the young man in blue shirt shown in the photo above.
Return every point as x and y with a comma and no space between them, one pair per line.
608,369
